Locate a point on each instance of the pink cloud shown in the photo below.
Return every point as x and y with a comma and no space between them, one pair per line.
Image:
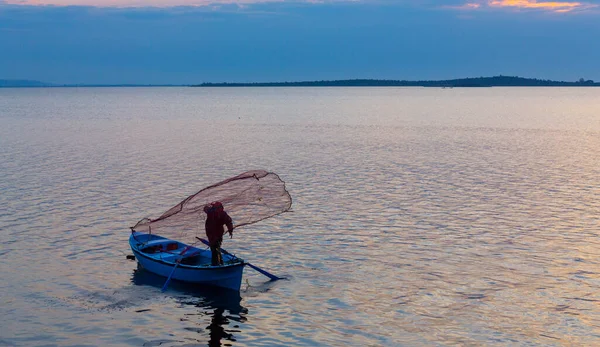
467,6
133,3
553,6
556,6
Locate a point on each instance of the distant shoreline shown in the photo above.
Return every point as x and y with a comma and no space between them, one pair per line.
496,81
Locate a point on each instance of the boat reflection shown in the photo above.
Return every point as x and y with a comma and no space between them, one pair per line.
223,306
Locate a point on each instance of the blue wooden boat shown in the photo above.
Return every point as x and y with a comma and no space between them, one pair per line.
250,197
166,257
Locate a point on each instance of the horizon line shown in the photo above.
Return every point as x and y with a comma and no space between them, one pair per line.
332,82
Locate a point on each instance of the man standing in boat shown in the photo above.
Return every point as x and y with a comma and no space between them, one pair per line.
216,218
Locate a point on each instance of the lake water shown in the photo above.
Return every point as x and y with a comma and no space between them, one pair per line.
421,217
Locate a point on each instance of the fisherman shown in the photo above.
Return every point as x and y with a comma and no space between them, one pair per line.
216,218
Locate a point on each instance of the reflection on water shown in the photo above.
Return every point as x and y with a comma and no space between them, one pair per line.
422,217
221,305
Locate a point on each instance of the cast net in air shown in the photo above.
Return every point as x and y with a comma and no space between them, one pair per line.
248,198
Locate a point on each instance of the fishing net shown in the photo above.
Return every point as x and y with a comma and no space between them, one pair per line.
248,198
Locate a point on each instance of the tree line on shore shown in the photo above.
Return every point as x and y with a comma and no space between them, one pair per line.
496,81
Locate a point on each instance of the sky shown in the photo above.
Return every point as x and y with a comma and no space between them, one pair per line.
195,41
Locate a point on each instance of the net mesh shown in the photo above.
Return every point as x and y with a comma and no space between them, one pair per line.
248,198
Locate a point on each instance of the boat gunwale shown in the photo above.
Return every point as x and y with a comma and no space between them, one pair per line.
137,251
194,267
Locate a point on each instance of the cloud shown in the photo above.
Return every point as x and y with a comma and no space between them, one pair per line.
552,6
133,3
470,5
467,6
564,6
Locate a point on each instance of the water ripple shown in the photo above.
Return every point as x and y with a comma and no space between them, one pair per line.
436,218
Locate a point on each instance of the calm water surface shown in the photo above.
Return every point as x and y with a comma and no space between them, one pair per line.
432,217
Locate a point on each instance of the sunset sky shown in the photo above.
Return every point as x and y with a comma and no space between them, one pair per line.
194,41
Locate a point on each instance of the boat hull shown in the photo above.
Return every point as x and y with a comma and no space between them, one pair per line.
226,276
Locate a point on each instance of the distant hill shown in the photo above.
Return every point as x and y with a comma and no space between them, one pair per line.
22,84
496,81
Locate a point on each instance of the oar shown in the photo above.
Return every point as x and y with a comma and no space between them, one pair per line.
270,275
174,267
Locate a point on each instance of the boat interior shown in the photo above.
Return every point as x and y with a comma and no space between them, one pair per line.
170,251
